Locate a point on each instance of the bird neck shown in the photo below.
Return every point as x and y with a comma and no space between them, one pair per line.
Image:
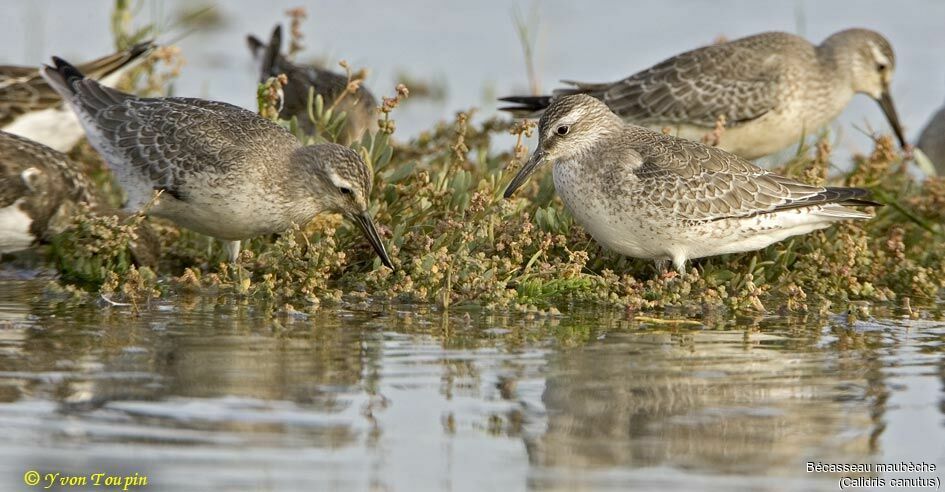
304,187
839,55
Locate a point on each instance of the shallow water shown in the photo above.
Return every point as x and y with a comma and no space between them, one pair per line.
208,393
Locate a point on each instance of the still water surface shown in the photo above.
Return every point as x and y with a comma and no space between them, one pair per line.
208,393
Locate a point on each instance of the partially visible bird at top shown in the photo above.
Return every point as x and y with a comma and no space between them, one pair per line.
360,107
32,109
770,89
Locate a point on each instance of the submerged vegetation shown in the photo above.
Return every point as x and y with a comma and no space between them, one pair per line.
437,199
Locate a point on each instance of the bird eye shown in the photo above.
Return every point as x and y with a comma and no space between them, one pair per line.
345,191
563,130
881,67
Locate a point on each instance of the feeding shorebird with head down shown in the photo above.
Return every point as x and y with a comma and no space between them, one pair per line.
222,171
771,89
648,195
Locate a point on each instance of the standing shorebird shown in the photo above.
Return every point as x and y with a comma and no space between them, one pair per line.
654,196
223,171
932,141
771,88
40,189
361,107
32,109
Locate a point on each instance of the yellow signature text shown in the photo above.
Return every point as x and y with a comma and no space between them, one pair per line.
49,480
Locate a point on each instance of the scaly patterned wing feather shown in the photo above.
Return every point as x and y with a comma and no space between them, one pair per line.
169,139
696,87
701,183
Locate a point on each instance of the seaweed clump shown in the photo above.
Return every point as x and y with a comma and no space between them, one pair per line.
454,240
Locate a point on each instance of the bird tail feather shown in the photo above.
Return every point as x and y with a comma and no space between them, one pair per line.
534,106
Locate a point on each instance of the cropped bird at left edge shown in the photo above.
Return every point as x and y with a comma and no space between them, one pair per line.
30,108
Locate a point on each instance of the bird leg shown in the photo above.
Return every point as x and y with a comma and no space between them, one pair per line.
232,249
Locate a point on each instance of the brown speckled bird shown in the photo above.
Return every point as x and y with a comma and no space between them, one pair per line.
32,109
361,107
40,189
654,196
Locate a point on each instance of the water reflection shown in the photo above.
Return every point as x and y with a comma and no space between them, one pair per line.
204,392
712,401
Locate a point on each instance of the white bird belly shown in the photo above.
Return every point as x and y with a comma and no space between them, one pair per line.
772,132
233,213
229,221
55,127
615,227
750,234
15,225
764,136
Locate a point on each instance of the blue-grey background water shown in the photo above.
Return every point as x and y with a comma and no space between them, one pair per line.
210,394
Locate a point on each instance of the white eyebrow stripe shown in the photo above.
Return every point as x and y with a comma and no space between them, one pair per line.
568,119
338,181
878,54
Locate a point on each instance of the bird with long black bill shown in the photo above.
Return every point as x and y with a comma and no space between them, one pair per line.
767,90
649,195
222,171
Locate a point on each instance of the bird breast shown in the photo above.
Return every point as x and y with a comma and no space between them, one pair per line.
612,219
